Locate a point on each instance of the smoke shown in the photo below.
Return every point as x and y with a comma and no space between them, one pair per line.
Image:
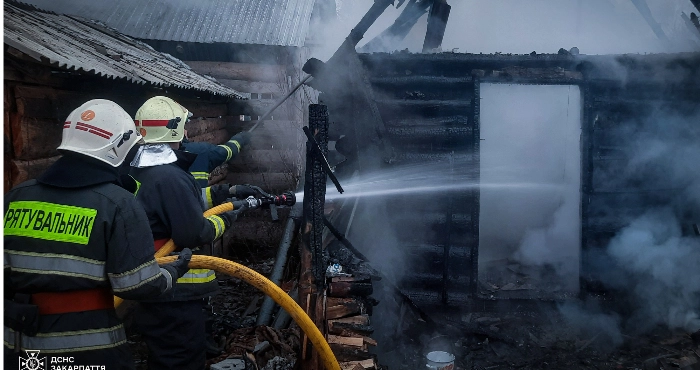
589,320
547,246
655,258
662,271
535,140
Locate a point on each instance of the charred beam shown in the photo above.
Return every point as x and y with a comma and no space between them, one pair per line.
437,21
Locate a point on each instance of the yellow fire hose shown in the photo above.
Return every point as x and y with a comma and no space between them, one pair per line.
258,281
169,246
273,291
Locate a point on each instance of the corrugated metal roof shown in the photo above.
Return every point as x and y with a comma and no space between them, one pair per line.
266,22
85,45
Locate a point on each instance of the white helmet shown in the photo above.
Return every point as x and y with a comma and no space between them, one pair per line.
161,120
100,129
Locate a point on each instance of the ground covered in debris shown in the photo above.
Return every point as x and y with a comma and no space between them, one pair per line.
543,340
233,315
538,336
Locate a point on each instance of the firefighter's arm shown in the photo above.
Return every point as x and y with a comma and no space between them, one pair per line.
215,195
228,150
218,194
182,211
131,268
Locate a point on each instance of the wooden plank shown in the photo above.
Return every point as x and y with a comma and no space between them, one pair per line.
348,353
287,127
350,366
46,102
196,127
260,161
341,307
348,341
22,171
346,289
7,173
255,228
258,107
369,341
32,73
352,320
214,137
34,138
240,71
203,109
278,89
364,364
271,182
353,326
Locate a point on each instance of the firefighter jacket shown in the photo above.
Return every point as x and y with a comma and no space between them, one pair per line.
174,206
209,156
76,236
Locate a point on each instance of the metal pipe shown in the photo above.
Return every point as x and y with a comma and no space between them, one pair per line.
283,319
279,102
268,304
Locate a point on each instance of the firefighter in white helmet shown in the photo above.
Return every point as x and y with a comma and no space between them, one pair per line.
173,326
73,238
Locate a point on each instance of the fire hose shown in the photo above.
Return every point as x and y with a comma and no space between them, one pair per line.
255,279
273,291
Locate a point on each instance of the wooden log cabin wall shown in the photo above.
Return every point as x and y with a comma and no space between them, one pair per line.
37,100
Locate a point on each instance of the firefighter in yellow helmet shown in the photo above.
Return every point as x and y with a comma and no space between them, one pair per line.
173,326
73,238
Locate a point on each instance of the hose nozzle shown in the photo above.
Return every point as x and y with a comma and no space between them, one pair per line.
285,199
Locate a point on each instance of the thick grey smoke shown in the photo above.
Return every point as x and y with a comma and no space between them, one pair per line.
656,257
662,271
531,134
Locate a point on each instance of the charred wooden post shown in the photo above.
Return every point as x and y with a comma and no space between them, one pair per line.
437,21
312,279
315,191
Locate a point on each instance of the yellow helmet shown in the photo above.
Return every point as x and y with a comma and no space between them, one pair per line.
100,129
161,120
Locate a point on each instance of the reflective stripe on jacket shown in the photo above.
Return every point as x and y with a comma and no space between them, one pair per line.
174,207
209,156
71,239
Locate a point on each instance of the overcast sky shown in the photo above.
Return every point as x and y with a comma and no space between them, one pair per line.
544,26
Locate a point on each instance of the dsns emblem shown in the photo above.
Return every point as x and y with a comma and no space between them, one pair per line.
32,362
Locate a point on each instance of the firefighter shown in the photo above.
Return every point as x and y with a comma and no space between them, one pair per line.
210,156
173,326
73,238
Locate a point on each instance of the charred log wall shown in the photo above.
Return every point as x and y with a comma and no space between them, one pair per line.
430,106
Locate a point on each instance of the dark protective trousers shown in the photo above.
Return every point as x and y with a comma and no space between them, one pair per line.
174,334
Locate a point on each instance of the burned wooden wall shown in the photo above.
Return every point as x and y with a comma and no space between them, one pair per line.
627,99
429,104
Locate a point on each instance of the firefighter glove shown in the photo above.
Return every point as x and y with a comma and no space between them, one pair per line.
217,194
231,216
242,191
243,138
180,266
